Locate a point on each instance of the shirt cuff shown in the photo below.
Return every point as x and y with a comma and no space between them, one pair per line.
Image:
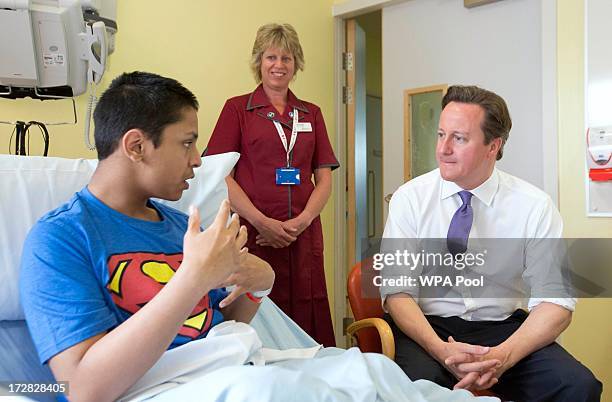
566,303
383,298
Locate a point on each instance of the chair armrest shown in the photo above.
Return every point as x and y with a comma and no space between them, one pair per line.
384,331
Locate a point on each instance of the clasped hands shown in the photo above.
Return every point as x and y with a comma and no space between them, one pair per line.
476,367
277,234
218,258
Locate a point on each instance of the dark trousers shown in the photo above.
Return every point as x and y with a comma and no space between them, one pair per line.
548,374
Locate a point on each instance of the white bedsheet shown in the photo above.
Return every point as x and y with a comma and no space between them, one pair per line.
227,344
341,376
231,365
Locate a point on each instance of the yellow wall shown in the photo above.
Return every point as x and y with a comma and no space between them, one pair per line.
589,337
206,45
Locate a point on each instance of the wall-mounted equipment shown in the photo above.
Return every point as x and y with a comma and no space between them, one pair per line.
599,149
599,165
55,49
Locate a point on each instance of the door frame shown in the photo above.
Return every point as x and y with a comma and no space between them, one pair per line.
339,187
342,13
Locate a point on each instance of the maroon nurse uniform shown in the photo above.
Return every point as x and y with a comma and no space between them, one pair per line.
246,126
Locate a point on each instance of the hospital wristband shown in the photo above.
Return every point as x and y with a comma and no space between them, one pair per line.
260,294
257,296
254,299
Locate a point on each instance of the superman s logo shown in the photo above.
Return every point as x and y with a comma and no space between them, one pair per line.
135,278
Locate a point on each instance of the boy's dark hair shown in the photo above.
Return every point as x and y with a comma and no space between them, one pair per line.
496,123
145,101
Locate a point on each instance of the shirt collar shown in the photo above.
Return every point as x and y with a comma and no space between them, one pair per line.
485,192
259,99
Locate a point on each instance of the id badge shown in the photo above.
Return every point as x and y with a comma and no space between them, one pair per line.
288,176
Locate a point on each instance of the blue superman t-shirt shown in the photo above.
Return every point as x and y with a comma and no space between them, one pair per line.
87,268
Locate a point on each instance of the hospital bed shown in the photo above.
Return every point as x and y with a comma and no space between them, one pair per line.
31,186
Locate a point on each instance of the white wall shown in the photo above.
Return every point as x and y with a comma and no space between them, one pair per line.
598,94
599,63
496,46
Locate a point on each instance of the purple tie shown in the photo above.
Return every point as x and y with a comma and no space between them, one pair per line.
459,229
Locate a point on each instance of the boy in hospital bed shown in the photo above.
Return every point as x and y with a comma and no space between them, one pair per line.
100,285
96,271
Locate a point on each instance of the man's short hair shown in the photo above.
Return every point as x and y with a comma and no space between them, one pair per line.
496,123
138,100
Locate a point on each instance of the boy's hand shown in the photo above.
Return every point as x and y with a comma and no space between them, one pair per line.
254,274
216,252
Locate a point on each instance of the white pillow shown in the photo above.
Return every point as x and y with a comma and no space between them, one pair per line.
30,186
207,189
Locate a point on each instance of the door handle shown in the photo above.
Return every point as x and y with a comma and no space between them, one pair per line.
371,204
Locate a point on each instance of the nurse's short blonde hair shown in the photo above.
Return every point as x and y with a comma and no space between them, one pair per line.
282,36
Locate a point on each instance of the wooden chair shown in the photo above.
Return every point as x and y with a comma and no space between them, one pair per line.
371,332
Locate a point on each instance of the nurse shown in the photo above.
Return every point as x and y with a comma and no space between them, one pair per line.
283,143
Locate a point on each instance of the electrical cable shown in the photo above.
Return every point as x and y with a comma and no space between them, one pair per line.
92,100
44,133
11,139
22,137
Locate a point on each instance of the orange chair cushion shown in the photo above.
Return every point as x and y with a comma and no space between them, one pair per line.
367,338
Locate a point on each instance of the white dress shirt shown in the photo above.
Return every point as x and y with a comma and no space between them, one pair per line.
504,207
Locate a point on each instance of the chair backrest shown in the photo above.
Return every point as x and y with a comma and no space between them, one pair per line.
364,307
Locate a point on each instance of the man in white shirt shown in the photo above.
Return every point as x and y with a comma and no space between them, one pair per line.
473,342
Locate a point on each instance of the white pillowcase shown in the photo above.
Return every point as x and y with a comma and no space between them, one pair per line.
30,186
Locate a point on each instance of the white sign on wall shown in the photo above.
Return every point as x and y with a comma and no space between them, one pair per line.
598,130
